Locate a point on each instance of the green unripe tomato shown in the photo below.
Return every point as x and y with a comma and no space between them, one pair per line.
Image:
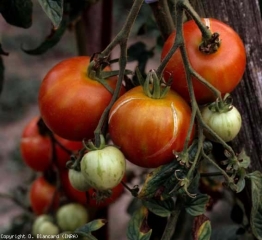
225,124
39,221
71,216
48,228
104,168
78,180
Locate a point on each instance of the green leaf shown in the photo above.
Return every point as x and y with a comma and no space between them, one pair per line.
91,226
256,211
137,227
202,228
49,42
155,180
2,68
160,208
53,9
17,12
196,206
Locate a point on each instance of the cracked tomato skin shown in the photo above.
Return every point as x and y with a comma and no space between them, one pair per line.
148,130
223,69
71,103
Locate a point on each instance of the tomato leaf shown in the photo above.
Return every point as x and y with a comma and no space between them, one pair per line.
155,180
201,228
91,226
196,206
53,9
2,68
17,12
51,40
137,227
256,211
158,207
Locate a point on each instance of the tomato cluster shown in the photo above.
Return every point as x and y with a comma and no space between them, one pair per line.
147,123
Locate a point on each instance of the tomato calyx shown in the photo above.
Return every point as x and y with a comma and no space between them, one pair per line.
222,105
90,146
101,195
210,45
154,87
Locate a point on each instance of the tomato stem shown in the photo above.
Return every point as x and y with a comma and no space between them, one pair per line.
121,39
163,17
185,4
172,221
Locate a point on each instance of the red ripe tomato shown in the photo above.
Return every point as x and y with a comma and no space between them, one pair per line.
71,103
36,149
43,196
148,130
86,198
223,69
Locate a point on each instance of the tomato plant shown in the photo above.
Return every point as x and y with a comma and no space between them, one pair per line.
36,148
223,68
43,196
68,93
103,168
71,216
148,130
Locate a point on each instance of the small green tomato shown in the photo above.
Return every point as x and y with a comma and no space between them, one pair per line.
78,180
104,168
48,228
225,124
39,221
71,216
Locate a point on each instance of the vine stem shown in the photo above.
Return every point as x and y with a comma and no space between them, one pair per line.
172,221
228,179
163,17
121,39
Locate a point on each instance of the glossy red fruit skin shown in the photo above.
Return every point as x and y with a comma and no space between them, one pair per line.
71,103
148,130
223,69
43,196
36,148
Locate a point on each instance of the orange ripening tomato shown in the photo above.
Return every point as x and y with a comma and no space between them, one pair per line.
71,103
36,148
223,69
43,196
148,130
